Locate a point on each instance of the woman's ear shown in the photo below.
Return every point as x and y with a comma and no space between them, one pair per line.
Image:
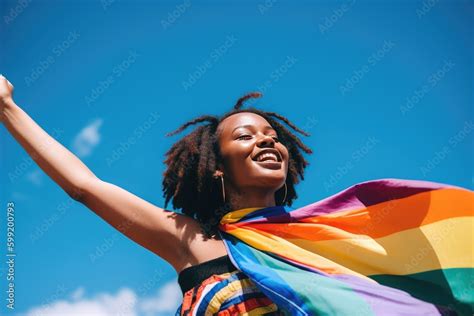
218,174
219,169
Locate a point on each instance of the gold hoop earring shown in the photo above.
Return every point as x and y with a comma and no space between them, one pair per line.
223,189
282,202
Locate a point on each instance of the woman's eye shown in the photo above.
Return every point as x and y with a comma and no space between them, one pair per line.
248,137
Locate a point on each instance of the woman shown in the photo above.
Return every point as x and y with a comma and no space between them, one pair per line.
238,250
252,171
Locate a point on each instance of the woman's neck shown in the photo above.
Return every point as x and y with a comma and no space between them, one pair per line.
243,200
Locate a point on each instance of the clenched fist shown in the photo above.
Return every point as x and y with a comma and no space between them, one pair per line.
6,94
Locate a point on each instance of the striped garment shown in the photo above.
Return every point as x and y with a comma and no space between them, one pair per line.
382,247
231,293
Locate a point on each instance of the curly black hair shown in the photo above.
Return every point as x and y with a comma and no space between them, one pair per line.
191,162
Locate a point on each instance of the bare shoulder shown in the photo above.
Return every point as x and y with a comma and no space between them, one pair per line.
175,237
197,248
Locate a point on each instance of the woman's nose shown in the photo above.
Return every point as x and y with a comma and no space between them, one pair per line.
266,141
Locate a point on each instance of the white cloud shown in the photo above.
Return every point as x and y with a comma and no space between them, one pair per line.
166,300
103,304
77,294
83,144
19,197
87,139
35,177
124,303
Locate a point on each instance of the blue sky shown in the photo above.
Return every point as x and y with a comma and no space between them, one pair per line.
384,88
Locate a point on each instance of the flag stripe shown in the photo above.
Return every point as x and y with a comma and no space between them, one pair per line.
444,287
378,220
430,247
378,248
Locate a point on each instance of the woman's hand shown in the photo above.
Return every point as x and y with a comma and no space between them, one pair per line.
6,95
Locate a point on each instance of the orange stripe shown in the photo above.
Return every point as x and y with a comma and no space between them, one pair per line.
377,220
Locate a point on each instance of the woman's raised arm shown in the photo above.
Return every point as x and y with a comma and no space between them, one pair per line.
152,227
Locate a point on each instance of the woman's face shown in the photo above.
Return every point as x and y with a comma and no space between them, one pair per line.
252,154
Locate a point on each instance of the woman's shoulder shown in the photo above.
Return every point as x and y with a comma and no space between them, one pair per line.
196,247
200,249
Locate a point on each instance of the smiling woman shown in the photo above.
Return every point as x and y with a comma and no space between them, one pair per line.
243,159
246,154
383,247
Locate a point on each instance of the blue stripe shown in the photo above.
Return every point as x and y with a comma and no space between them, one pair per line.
178,311
245,260
210,295
264,213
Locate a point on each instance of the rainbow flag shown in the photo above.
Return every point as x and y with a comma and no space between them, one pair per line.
382,247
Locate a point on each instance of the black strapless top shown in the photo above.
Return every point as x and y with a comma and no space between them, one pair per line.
194,275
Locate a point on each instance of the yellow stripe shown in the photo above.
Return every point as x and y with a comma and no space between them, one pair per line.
229,290
235,216
440,245
405,252
274,244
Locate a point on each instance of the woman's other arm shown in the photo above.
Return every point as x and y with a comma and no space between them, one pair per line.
152,227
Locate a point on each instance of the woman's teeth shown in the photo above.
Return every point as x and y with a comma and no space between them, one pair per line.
267,156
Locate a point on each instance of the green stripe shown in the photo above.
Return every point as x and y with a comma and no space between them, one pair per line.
318,292
450,287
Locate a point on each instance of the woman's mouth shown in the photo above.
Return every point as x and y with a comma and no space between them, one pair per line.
269,164
268,158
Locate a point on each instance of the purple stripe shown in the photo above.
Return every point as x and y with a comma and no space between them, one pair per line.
383,300
360,195
399,302
369,193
